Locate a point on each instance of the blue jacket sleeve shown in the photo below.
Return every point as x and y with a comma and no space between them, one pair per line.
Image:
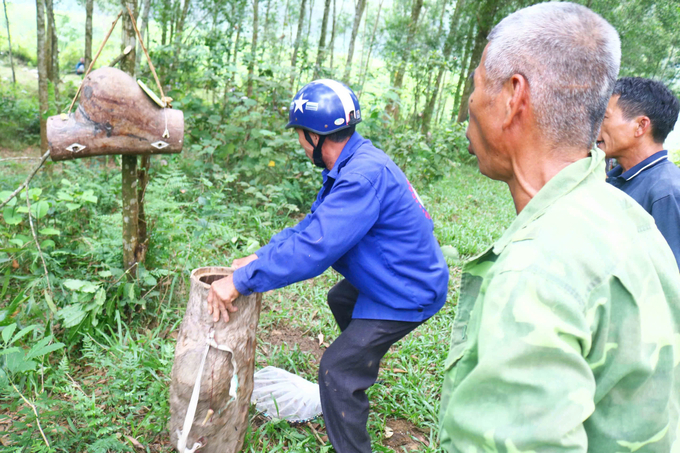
337,225
283,235
666,213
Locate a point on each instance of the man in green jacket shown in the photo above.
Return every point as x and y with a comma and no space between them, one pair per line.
566,332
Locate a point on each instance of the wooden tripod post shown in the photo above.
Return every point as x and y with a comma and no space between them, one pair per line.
118,115
131,201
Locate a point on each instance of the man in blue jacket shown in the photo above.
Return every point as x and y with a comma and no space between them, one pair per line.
369,224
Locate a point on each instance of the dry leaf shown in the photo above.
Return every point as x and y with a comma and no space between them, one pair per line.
320,337
135,442
388,432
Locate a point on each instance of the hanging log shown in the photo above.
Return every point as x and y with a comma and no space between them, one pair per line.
114,117
220,420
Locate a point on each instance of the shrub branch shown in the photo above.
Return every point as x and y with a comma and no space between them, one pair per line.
25,183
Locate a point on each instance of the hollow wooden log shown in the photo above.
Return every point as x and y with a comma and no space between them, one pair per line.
220,421
114,117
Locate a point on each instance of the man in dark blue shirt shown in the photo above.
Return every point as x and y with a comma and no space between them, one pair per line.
370,225
640,115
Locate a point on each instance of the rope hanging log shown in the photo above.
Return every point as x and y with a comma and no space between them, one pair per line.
114,117
212,376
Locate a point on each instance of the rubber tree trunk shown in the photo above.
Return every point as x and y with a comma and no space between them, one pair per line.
220,420
485,19
416,8
89,6
296,46
9,42
52,48
321,52
42,73
465,62
179,30
253,50
370,48
331,45
144,24
360,7
131,208
475,57
448,47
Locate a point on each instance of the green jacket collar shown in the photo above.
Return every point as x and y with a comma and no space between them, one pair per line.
560,185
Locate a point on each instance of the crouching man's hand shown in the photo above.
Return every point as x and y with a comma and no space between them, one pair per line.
240,262
221,297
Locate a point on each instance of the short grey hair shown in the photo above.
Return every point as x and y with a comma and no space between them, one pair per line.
570,57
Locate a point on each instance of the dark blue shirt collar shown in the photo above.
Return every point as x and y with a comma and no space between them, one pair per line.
348,151
617,172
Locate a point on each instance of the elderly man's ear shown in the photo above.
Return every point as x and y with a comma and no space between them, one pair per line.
516,98
644,125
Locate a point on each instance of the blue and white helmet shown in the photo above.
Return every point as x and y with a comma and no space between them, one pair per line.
324,106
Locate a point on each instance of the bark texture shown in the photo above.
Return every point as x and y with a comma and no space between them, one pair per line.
114,116
144,25
253,50
360,7
9,41
321,52
52,49
42,72
298,39
222,431
416,8
89,6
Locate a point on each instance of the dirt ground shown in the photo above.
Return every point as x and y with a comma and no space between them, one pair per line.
404,436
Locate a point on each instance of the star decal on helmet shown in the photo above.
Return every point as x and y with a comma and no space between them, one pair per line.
299,103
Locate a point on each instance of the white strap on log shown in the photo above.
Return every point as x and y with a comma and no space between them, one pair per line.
183,435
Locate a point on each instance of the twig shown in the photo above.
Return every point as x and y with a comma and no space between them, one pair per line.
18,158
316,433
37,244
34,411
25,183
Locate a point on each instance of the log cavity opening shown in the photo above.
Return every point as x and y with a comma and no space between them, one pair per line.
210,279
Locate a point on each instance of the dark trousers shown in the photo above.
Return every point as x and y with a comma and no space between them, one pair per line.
350,366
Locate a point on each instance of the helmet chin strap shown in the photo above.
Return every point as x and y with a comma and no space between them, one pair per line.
316,155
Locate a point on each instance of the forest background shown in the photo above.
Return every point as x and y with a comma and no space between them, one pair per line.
86,341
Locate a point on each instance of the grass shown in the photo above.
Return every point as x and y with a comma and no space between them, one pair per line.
114,386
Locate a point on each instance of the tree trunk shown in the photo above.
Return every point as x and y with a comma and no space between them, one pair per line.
475,57
298,38
359,12
321,52
221,415
253,49
52,48
9,41
464,63
417,7
42,73
144,24
448,47
332,43
131,239
238,37
370,48
309,24
485,19
443,98
89,7
180,29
